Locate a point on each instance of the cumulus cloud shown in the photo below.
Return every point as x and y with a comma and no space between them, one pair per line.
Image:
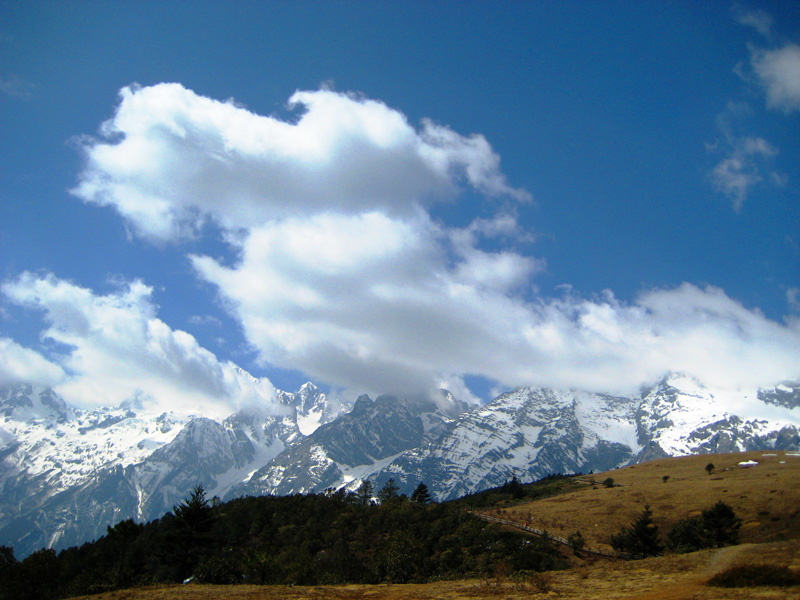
23,365
778,71
342,273
170,160
116,349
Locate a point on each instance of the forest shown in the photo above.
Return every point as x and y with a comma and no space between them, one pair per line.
314,539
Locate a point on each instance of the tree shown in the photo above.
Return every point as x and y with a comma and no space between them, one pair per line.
388,491
576,541
364,493
514,487
710,468
195,511
194,518
640,539
722,524
421,494
9,566
122,534
608,482
716,527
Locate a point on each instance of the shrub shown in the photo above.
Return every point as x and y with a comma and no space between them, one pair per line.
755,575
608,482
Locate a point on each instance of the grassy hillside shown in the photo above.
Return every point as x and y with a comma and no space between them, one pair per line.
766,497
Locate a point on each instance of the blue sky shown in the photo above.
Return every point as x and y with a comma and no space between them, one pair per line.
386,196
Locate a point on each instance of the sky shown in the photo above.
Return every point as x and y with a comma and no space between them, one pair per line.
392,197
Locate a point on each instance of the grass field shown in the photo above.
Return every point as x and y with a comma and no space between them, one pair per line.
766,497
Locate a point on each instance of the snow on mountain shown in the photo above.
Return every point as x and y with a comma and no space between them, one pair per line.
359,442
66,474
528,433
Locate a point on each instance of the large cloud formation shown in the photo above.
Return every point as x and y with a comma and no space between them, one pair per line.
342,272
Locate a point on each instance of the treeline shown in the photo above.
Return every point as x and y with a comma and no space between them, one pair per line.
330,538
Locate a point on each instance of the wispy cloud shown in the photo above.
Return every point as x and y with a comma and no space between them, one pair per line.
16,87
757,19
748,159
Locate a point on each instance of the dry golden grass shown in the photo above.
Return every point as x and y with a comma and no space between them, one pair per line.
767,497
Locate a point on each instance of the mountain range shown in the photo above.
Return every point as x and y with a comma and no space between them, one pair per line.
66,473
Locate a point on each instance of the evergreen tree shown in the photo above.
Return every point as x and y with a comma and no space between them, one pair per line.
193,520
722,525
718,526
388,491
421,494
195,512
122,535
640,539
364,493
514,487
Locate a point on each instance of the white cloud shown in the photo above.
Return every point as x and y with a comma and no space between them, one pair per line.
169,160
116,349
23,365
342,273
778,71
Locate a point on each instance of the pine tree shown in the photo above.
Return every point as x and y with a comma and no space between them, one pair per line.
195,511
421,494
388,491
364,493
640,539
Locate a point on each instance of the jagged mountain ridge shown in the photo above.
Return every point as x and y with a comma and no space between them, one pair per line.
66,474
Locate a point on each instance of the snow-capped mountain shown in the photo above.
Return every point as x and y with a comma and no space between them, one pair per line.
66,474
355,445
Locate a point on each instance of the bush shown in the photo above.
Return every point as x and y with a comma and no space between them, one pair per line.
755,576
608,482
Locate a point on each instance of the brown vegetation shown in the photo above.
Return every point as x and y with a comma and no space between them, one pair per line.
766,497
